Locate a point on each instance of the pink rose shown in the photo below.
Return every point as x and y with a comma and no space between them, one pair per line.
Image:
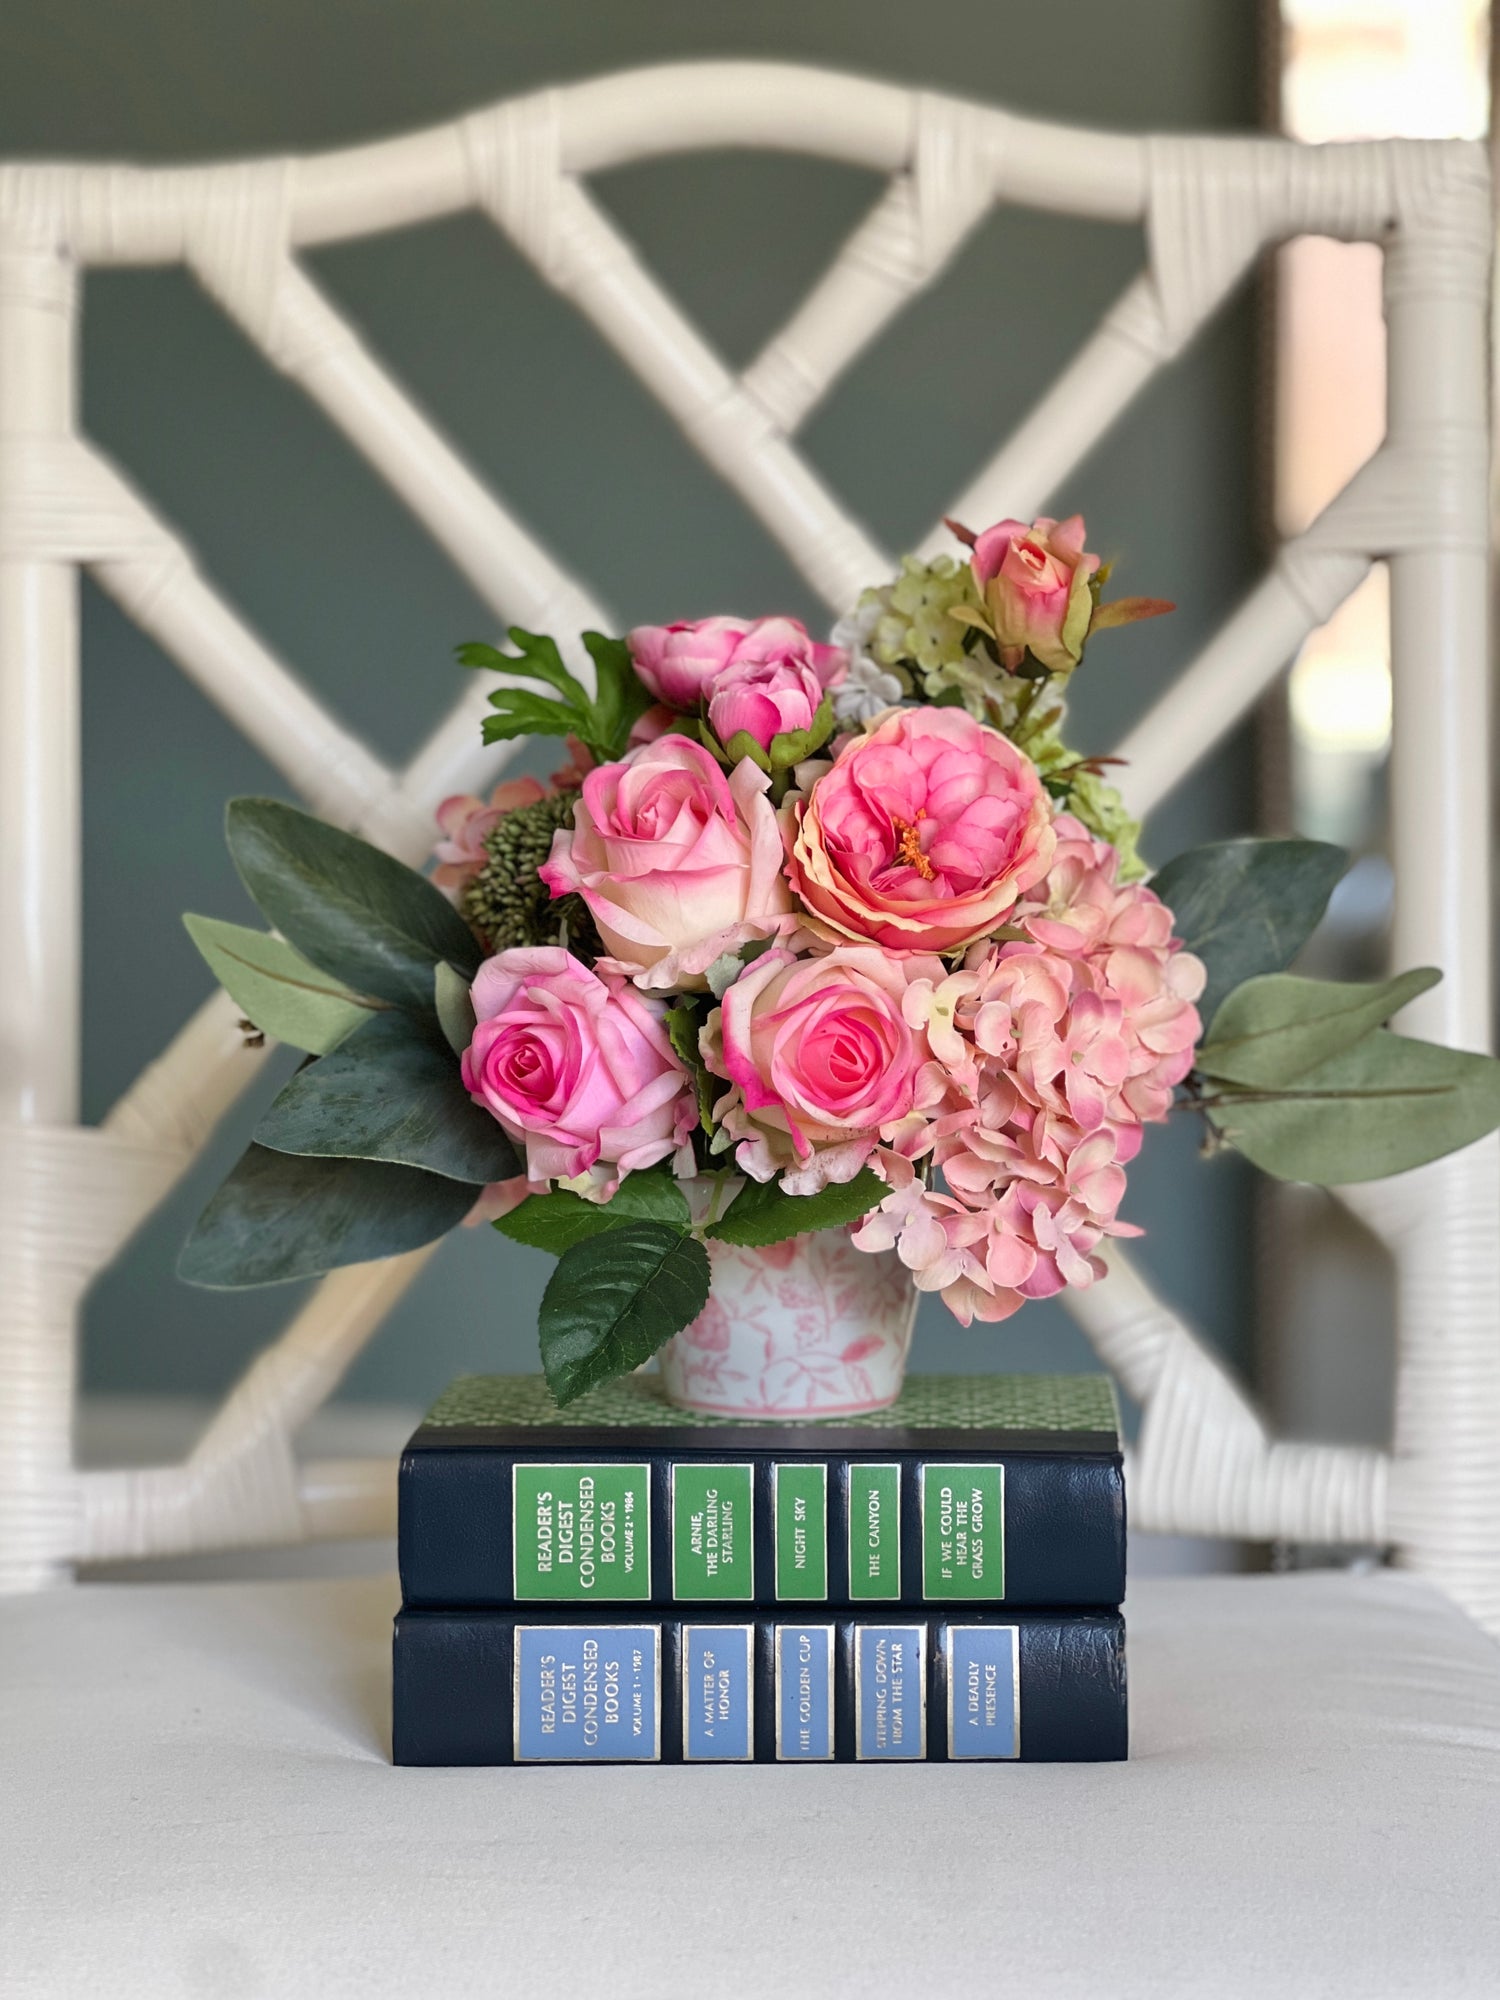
923,834
677,862
576,1067
466,822
822,1060
1035,584
682,663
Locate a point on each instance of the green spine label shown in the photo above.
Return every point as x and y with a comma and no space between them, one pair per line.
801,1501
712,1539
874,1532
963,1531
582,1533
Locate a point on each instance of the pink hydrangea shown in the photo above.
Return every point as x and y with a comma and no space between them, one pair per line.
1050,1053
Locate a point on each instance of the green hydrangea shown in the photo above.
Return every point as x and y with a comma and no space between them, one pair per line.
914,625
508,903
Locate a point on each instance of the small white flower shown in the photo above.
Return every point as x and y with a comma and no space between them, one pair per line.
866,691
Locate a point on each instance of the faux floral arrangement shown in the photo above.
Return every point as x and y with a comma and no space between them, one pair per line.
802,937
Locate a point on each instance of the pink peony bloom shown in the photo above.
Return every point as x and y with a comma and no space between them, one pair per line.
681,663
922,834
576,1067
1035,584
677,862
821,1059
465,823
763,698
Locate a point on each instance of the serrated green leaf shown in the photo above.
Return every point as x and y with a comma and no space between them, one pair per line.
555,1221
281,1216
1247,907
614,1299
276,988
355,912
539,660
760,1213
391,1092
1274,1029
684,1024
525,714
455,1009
621,698
1382,1107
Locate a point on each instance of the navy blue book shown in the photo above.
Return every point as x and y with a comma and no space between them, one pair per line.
969,1492
522,1687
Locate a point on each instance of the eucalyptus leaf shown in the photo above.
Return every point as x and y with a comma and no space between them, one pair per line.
355,912
281,1216
1248,906
276,988
391,1092
1274,1029
455,1009
1382,1107
761,1213
614,1299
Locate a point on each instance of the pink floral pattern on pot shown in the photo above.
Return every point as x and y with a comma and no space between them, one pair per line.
808,1328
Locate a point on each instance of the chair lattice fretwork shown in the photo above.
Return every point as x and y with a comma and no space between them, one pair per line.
1205,1463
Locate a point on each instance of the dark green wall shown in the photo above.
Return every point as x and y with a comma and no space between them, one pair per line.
309,545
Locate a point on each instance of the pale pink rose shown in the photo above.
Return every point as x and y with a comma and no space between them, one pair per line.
821,1059
576,1067
677,862
466,822
922,834
680,663
763,698
1035,585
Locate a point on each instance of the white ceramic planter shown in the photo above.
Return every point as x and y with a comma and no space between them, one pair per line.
809,1328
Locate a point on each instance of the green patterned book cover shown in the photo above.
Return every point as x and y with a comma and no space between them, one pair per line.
970,1490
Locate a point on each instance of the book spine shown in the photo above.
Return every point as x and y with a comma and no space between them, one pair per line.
511,1687
485,1527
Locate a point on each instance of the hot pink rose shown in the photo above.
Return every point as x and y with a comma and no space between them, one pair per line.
677,862
764,697
1035,584
923,834
681,663
466,822
576,1067
821,1058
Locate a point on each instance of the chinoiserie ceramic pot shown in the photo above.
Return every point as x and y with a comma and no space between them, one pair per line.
807,1328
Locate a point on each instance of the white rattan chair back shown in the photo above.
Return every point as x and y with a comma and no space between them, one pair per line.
70,1195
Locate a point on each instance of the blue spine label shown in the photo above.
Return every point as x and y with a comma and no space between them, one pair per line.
984,1691
804,1692
890,1691
718,1693
587,1694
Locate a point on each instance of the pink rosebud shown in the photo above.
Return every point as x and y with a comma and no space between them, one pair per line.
681,663
1035,584
466,822
923,834
576,1067
763,698
822,1060
677,862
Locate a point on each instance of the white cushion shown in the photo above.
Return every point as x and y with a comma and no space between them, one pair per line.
195,1798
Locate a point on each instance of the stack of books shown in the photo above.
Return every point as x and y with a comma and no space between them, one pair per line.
624,1581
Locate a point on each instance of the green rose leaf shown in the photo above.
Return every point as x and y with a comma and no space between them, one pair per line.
391,1092
355,912
614,1299
281,1216
455,1010
1272,1030
276,988
760,1213
1248,906
1382,1107
557,1221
